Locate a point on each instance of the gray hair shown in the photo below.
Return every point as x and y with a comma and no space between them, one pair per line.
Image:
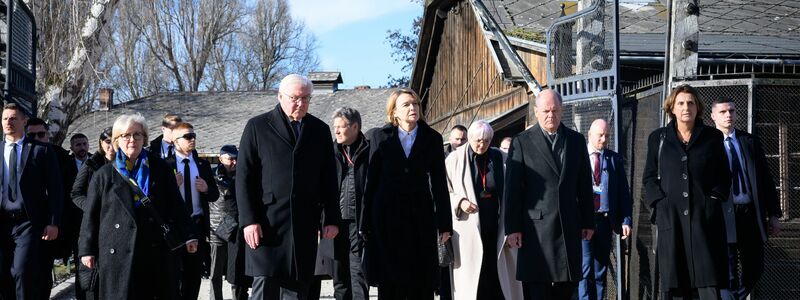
122,124
295,78
349,114
480,129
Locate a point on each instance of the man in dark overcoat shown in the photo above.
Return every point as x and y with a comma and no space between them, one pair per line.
286,176
752,210
548,202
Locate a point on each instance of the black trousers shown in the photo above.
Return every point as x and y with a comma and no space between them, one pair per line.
548,291
489,282
20,256
746,256
268,288
219,255
191,270
393,292
348,276
703,293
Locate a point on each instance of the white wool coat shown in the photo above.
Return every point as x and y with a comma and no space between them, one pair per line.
466,238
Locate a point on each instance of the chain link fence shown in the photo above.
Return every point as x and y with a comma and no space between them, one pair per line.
769,109
776,105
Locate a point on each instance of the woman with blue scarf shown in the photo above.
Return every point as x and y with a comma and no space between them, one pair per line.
120,235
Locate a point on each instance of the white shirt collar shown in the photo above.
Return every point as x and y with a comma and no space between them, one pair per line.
179,157
18,142
592,150
731,135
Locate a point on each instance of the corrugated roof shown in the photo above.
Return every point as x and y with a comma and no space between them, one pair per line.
219,117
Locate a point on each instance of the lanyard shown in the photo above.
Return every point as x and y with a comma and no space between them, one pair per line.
484,171
347,157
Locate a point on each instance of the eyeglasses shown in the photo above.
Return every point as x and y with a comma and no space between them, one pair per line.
137,136
107,141
301,99
189,136
40,134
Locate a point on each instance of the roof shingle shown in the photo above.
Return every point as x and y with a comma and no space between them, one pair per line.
219,117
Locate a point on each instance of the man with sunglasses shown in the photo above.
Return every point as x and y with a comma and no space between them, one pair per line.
63,248
163,143
196,183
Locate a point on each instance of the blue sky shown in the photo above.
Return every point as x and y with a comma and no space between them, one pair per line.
352,33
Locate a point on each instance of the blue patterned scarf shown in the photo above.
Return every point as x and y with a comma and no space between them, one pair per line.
138,171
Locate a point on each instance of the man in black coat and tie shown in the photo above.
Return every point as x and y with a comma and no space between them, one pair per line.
752,210
67,243
196,183
286,177
548,202
30,208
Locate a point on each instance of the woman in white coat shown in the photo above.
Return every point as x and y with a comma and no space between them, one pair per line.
484,267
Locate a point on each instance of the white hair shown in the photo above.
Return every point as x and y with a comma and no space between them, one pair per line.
480,130
295,78
124,122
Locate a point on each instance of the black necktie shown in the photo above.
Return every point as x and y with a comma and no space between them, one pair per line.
187,186
12,174
736,170
296,129
170,151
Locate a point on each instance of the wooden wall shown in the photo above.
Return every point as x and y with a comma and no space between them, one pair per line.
536,63
465,75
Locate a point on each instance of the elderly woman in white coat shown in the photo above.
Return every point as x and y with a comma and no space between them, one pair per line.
484,267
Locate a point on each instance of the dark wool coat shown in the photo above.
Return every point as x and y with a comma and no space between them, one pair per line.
124,238
548,205
405,204
692,251
619,193
284,185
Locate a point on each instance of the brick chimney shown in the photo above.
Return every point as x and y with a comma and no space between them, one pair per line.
106,98
325,82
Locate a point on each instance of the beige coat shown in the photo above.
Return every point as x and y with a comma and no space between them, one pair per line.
467,244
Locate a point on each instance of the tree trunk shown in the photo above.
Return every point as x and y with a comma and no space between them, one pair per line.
61,98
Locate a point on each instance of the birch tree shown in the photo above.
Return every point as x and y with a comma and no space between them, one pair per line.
71,42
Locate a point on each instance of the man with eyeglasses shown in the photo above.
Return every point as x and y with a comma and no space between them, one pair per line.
30,209
163,143
285,179
63,248
193,175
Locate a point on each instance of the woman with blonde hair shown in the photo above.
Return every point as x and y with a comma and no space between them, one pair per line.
406,205
131,202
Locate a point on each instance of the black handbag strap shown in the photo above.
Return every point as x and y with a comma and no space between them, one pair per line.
145,200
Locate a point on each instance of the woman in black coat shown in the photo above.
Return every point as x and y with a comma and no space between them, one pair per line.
686,178
87,277
119,236
406,203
